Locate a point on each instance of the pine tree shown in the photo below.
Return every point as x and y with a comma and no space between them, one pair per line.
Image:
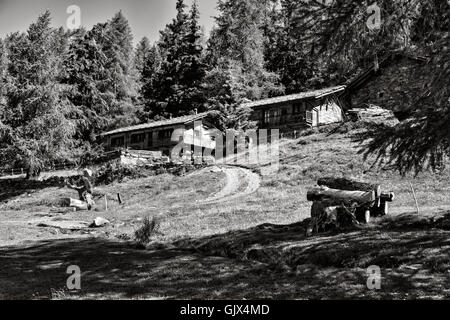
287,54
239,38
422,141
177,88
35,126
141,53
339,30
193,69
121,81
3,69
100,67
225,96
150,72
85,70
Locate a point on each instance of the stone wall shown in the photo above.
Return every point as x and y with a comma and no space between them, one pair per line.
395,87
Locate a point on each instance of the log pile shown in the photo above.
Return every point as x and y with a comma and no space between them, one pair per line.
371,113
339,203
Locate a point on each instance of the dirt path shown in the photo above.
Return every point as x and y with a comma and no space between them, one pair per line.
234,187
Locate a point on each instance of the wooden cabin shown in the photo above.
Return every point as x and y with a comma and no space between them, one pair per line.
163,136
393,83
298,111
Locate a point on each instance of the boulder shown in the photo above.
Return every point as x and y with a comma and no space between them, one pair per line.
99,222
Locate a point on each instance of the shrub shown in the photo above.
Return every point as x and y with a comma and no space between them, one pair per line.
115,171
144,233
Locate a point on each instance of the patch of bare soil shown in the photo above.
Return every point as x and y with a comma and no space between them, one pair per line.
240,182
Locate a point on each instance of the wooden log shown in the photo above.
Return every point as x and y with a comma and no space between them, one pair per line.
348,185
367,198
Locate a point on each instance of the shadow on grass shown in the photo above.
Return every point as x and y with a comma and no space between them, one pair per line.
10,188
268,261
114,270
390,245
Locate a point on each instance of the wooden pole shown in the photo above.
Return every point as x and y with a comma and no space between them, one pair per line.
415,198
106,203
119,198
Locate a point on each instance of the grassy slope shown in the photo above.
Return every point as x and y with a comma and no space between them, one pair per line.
248,248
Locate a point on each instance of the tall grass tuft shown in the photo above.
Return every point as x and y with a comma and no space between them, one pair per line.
145,232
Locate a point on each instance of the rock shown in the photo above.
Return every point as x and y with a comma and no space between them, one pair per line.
215,169
64,224
99,222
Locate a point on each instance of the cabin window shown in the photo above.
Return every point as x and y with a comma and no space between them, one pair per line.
266,116
117,142
299,108
137,138
272,116
165,134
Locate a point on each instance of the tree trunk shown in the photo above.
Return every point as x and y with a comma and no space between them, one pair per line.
348,185
361,197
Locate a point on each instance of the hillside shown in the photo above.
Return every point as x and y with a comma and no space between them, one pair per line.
229,233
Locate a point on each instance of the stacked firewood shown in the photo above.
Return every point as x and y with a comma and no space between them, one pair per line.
371,113
340,203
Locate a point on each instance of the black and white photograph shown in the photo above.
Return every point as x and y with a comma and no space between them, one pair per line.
253,151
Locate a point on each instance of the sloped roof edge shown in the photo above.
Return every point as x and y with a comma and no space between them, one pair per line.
315,94
158,124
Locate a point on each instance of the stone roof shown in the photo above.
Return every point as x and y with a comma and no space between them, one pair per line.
158,124
314,94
